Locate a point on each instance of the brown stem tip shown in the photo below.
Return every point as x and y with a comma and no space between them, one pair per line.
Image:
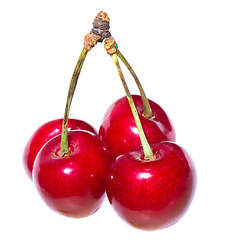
101,26
103,16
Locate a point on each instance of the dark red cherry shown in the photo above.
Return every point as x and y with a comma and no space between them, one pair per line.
118,129
73,185
151,195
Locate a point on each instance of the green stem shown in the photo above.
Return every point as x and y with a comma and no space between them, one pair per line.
72,87
147,108
146,147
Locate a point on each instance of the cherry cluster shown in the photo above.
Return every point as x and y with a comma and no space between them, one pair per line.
133,159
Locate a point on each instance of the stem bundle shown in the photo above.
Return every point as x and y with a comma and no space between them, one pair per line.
146,147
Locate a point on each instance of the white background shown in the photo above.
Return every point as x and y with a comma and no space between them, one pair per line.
187,57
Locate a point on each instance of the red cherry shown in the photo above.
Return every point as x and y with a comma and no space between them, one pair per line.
119,131
152,195
73,185
43,134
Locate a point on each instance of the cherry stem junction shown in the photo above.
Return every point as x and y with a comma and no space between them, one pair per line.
146,147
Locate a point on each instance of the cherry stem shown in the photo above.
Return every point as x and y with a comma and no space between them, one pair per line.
98,33
146,147
147,108
72,87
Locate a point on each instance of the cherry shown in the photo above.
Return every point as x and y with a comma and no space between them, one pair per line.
118,129
73,184
152,195
43,134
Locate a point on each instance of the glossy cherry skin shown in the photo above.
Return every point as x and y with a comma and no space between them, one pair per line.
74,185
151,195
43,134
119,131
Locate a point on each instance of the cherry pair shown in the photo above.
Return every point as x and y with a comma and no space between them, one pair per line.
150,186
65,158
